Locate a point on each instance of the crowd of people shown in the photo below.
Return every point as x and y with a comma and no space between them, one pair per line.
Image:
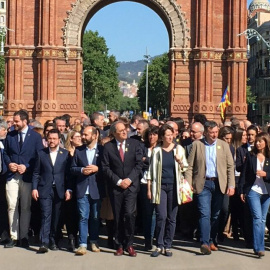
73,173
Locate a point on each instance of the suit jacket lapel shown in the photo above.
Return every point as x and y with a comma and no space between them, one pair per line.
48,156
116,149
266,164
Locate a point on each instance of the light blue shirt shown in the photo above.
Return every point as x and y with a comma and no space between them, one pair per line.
90,154
24,131
211,159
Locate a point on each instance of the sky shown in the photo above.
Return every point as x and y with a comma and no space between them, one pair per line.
129,29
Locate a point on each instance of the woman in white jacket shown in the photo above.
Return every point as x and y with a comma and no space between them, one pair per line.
168,161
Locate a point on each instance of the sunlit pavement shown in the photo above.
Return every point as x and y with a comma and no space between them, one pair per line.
186,255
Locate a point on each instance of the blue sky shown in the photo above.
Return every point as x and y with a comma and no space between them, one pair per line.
130,28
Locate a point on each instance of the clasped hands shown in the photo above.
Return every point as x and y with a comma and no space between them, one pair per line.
89,169
125,183
14,167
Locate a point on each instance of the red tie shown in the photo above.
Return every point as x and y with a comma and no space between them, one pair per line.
121,152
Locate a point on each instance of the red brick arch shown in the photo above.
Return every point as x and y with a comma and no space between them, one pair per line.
44,64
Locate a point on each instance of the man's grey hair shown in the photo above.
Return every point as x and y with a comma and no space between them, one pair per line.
116,113
3,124
145,123
210,124
200,126
113,126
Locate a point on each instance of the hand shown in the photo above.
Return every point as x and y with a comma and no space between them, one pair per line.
261,173
86,171
125,183
243,198
35,194
230,191
68,195
13,167
149,194
21,168
92,168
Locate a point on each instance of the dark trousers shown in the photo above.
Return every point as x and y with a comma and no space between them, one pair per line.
237,213
3,208
148,213
166,213
223,215
71,216
50,214
124,210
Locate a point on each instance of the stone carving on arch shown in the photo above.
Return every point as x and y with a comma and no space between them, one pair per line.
180,33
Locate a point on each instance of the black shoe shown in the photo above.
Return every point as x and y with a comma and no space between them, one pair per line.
148,244
53,247
11,243
24,243
156,253
168,252
43,249
71,244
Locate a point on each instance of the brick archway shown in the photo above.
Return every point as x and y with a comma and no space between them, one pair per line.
44,65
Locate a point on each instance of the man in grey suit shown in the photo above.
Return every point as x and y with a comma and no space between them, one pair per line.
211,174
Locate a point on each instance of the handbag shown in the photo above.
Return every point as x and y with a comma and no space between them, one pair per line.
186,193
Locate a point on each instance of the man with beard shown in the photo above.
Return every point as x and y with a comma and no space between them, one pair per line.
50,186
21,147
86,165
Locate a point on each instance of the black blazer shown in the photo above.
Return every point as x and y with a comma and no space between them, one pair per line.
94,180
45,173
248,175
12,153
114,169
241,153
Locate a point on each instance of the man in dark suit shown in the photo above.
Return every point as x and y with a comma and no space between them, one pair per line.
21,147
50,187
122,164
86,164
241,153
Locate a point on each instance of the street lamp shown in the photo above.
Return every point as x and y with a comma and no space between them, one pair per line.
83,90
3,33
147,61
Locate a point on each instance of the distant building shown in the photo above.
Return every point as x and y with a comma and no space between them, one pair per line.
259,62
128,90
3,12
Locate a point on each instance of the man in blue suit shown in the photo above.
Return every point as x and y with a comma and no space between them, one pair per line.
86,164
21,147
50,186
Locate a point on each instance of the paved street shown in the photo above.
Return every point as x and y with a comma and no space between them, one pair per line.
186,255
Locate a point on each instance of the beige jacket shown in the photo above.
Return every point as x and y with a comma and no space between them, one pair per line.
155,171
195,174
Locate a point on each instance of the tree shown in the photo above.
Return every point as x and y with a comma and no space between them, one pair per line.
158,84
128,104
250,97
101,78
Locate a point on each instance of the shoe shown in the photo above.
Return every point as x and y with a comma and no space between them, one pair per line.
260,254
205,250
213,247
24,243
53,247
71,244
110,243
95,247
131,251
43,249
148,244
81,251
168,252
156,253
119,252
11,243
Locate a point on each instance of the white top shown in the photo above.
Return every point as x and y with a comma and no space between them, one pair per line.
143,180
259,185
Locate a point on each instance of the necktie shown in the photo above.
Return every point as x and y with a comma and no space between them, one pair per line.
121,152
21,140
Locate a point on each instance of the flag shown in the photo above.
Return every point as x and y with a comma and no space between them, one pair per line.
224,103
